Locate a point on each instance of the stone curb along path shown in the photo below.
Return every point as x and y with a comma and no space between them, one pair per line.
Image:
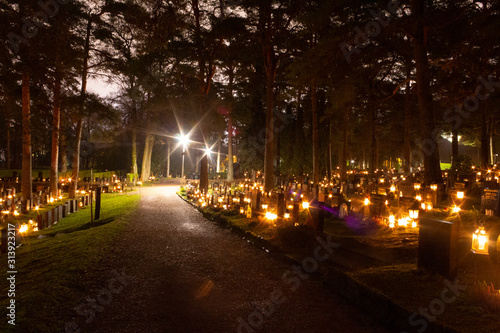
370,300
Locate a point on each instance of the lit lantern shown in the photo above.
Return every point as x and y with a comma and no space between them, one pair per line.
418,197
480,241
264,206
392,220
414,224
455,209
23,228
242,211
393,188
287,215
367,201
413,214
305,204
416,186
403,222
460,195
434,187
271,216
289,207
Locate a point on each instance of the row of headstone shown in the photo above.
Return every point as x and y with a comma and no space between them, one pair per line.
51,217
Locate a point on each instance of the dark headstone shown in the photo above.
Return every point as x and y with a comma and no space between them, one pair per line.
39,221
281,205
438,247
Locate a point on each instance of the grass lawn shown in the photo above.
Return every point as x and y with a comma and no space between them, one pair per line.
53,272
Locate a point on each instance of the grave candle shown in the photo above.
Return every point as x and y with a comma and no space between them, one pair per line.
480,241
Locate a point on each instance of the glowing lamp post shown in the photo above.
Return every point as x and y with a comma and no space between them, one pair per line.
184,141
480,241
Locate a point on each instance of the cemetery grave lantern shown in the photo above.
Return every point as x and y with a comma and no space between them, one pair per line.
393,188
434,187
403,222
392,221
416,186
460,194
455,209
413,214
287,215
242,211
367,202
480,241
264,206
23,228
305,204
271,216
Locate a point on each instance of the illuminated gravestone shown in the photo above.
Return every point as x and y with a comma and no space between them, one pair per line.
343,210
490,202
438,247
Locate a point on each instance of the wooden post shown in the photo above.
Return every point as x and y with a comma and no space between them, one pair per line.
98,203
91,205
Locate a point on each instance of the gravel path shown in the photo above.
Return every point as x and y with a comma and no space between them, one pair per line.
193,276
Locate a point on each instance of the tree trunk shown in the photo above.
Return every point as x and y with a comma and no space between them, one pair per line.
218,155
204,174
169,151
344,146
372,121
146,157
269,145
330,150
63,145
484,150
230,170
454,143
79,124
432,169
56,125
26,187
7,157
408,122
315,132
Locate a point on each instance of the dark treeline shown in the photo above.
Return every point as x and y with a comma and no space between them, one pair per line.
297,86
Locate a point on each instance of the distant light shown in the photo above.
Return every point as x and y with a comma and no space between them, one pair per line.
208,151
183,139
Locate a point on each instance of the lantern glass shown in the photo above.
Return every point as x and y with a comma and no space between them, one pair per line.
460,195
480,241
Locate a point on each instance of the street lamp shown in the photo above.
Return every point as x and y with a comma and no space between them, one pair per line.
184,141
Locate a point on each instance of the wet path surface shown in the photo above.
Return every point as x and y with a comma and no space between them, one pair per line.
193,276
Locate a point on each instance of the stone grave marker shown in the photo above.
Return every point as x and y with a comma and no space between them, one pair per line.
490,202
343,210
438,247
377,205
